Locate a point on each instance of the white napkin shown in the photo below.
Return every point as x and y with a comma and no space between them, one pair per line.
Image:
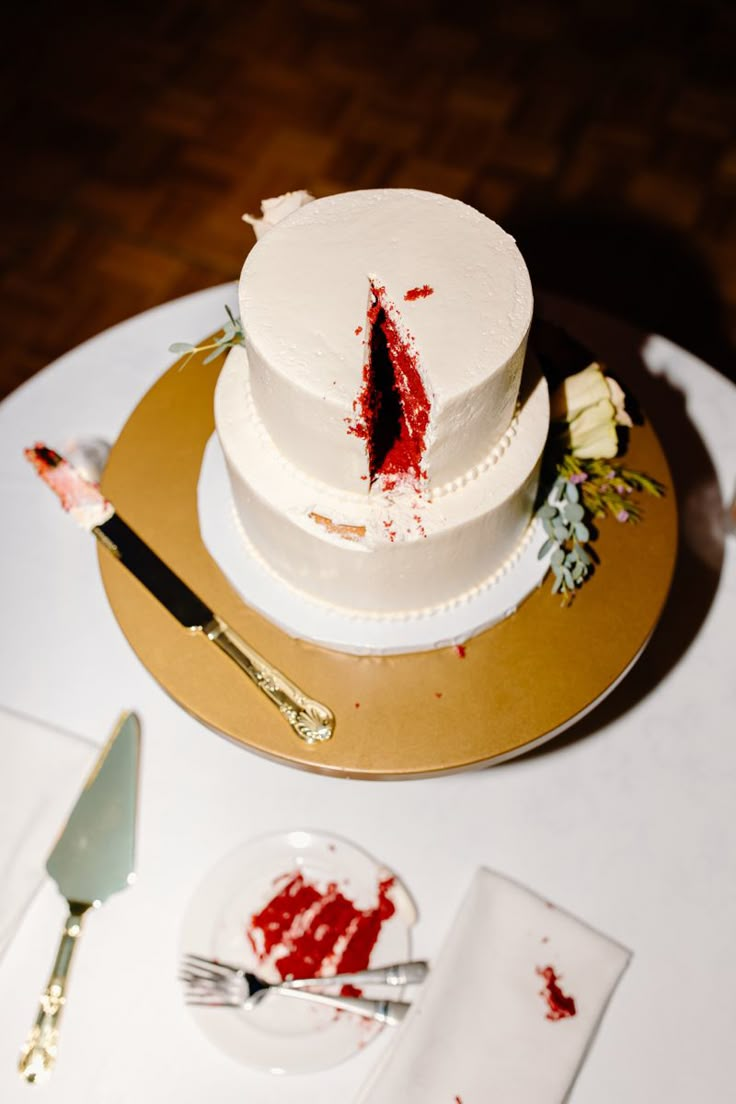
490,1023
42,771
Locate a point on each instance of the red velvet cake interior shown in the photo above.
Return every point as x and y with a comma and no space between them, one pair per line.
393,406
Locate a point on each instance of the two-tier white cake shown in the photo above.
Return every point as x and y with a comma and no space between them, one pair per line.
381,431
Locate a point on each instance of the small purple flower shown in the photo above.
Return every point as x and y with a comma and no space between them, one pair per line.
621,488
579,477
622,515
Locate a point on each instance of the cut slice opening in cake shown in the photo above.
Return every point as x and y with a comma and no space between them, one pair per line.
392,409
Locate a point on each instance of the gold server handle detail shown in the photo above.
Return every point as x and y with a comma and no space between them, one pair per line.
39,1053
312,721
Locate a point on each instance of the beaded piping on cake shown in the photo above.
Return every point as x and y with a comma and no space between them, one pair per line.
428,495
479,469
396,615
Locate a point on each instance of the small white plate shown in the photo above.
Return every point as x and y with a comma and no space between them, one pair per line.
280,1034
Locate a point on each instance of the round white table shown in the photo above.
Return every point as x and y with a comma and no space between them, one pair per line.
627,820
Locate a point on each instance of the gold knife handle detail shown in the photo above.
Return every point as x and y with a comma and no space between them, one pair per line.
39,1053
310,719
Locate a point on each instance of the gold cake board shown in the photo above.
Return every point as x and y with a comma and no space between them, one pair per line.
399,716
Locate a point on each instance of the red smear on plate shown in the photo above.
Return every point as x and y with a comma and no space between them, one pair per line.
304,931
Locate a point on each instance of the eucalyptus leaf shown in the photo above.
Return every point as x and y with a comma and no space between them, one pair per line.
582,532
574,512
212,356
572,493
548,544
232,334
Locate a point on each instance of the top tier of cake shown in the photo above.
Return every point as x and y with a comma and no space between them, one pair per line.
379,314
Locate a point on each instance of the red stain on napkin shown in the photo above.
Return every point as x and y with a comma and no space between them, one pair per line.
559,1005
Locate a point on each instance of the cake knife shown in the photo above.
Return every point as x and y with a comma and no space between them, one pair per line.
84,501
93,858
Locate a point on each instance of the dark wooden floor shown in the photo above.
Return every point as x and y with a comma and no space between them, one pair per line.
603,135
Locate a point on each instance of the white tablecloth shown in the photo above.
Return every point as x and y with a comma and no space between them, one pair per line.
630,825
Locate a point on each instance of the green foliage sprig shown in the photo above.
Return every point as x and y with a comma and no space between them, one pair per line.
585,491
232,334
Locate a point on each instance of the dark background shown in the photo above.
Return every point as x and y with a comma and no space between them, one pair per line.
602,135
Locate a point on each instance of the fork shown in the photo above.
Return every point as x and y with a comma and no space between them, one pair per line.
218,984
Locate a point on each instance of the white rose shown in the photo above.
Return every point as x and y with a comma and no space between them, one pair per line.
276,209
577,392
590,405
591,435
618,399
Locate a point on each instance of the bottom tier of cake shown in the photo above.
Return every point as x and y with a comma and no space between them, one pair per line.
390,552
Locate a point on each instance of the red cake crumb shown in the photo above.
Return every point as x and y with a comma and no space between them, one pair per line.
559,1005
358,330
419,292
461,650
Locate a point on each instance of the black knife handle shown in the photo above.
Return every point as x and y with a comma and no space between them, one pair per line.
165,585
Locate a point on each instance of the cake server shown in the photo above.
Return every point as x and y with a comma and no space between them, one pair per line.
93,857
310,719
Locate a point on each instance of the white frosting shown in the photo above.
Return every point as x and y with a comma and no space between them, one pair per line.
305,290
393,551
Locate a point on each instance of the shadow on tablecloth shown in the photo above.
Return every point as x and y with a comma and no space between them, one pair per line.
702,516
